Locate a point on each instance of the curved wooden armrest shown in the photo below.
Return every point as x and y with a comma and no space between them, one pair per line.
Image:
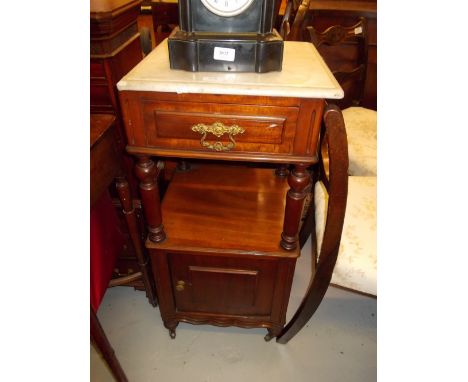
334,137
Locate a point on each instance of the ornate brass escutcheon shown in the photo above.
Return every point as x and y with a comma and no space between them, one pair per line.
218,129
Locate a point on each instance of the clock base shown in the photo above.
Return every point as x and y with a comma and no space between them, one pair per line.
221,52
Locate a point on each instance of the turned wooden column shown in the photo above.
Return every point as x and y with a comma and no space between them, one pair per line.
298,180
128,210
146,171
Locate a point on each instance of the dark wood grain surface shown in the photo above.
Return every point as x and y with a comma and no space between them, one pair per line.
99,124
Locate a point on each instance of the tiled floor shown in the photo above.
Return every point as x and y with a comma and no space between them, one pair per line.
338,344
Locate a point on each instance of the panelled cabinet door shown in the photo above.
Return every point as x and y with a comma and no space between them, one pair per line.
213,284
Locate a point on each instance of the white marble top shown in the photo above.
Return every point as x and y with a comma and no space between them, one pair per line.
304,74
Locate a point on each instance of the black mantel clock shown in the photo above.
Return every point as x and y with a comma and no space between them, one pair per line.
226,35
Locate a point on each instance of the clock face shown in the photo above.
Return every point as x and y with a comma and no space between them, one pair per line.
227,8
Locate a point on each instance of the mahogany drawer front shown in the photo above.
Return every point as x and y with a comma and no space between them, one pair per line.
263,128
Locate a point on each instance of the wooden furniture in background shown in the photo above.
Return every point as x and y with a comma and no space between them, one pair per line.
104,154
324,14
165,17
223,244
106,167
115,50
335,177
361,123
352,79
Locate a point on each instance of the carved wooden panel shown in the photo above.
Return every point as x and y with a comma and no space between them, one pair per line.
345,58
222,285
264,128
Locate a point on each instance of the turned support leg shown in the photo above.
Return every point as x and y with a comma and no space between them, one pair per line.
298,180
146,171
129,212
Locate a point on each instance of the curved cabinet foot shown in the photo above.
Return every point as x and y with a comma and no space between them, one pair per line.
171,326
272,333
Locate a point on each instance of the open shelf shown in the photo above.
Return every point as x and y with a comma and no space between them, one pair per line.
225,208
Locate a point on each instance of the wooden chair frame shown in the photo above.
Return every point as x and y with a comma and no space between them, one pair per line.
293,19
296,26
340,35
334,175
107,167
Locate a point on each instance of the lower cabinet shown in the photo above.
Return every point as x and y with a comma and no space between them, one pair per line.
226,289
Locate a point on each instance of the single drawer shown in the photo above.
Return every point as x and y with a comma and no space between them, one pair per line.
219,127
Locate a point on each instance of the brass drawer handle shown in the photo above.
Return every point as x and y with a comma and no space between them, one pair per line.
218,129
180,286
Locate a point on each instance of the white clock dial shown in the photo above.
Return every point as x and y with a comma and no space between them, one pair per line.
227,8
